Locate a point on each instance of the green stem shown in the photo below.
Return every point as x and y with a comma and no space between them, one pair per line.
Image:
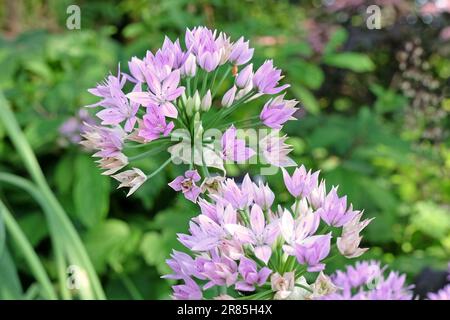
225,75
290,264
58,214
28,252
131,287
214,78
149,152
142,145
205,81
61,270
188,86
257,296
154,173
57,238
225,112
237,123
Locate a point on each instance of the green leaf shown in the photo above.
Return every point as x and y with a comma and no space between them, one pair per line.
64,174
34,226
91,192
156,246
337,39
307,73
357,62
10,287
431,219
106,243
387,99
41,132
307,99
2,235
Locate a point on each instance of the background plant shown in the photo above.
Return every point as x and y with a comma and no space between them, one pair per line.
356,127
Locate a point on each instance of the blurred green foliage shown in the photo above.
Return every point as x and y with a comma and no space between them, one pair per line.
353,130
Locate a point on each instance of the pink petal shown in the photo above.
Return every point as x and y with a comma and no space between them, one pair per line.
169,110
257,220
263,253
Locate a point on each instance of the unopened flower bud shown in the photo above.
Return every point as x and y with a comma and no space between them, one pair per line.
196,101
205,105
189,68
132,179
228,97
113,164
241,53
245,77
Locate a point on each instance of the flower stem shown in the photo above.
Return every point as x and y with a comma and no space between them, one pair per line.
165,164
225,75
131,287
28,252
257,296
205,81
188,86
57,213
149,152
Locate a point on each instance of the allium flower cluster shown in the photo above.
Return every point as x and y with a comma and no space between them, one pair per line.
168,100
245,243
369,281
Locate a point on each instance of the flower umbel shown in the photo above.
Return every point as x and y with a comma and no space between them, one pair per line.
168,102
241,240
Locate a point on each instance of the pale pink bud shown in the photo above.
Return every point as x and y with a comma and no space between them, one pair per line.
245,77
132,179
205,105
228,97
189,68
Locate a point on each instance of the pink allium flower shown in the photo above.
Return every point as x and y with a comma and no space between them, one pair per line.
186,184
266,79
132,179
277,111
312,250
251,276
154,124
241,53
245,77
107,141
294,231
275,151
366,281
187,291
262,195
160,93
75,126
222,271
348,242
234,149
108,88
228,97
118,109
167,84
334,210
231,193
183,266
443,294
239,240
301,183
258,234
